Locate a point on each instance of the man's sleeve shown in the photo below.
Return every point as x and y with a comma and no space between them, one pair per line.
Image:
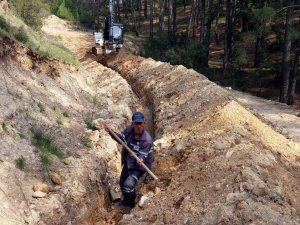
145,151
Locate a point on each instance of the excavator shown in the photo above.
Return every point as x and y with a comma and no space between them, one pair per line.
111,39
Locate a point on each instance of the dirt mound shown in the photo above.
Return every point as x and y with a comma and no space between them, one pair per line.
217,162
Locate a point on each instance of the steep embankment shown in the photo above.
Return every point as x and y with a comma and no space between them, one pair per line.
45,99
218,163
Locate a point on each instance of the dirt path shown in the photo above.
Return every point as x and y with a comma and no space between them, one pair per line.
76,40
281,116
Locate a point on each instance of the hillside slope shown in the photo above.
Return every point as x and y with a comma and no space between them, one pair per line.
43,97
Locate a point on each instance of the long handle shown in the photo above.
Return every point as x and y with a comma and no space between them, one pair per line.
132,153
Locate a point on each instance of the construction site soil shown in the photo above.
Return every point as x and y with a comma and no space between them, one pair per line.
219,159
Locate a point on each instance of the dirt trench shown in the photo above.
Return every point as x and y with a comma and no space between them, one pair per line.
217,163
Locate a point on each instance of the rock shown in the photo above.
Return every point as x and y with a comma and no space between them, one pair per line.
157,191
266,161
259,187
236,197
41,187
161,143
142,201
276,195
221,145
39,194
180,146
94,136
56,178
284,131
229,154
99,123
115,195
242,205
113,166
218,186
68,160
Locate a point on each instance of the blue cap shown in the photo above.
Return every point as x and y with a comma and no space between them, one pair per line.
138,117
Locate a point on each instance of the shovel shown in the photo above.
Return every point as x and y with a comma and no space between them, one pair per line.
131,152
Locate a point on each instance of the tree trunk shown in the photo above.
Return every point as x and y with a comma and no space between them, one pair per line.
161,15
245,15
228,34
133,13
170,17
293,76
286,55
191,17
208,29
257,48
145,9
217,34
94,15
140,13
125,7
118,11
151,19
202,19
174,16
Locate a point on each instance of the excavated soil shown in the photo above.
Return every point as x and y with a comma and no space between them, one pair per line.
217,162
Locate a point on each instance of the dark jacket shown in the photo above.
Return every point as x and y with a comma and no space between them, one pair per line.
142,147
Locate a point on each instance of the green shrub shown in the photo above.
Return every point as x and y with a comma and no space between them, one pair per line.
157,47
187,52
21,135
89,124
86,143
66,114
21,35
42,142
59,120
41,107
31,12
67,10
4,25
45,159
54,5
4,125
20,163
86,18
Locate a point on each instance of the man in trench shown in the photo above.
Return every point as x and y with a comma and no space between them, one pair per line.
140,141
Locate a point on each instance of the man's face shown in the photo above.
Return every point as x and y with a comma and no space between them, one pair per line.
138,127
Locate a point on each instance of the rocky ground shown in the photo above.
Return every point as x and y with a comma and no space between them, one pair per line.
217,162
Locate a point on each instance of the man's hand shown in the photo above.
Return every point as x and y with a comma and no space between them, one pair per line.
139,161
107,127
